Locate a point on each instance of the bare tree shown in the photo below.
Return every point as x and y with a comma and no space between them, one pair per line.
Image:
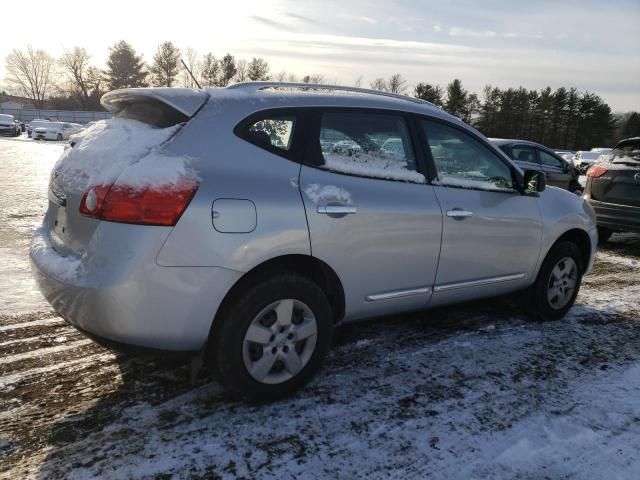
190,57
241,71
396,83
315,78
82,80
281,76
358,82
31,73
379,84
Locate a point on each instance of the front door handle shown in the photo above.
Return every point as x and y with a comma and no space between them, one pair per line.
459,213
337,209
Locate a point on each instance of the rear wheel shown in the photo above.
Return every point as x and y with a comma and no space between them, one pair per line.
604,234
558,283
59,137
272,339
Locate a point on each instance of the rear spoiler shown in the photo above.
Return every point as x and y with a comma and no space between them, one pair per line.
184,100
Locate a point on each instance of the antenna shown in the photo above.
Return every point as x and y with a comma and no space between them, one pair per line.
191,74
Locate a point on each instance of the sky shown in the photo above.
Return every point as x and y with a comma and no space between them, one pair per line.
591,45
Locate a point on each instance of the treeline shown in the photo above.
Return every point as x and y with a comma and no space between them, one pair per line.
564,118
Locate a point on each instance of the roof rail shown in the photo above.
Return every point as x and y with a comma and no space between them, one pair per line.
255,86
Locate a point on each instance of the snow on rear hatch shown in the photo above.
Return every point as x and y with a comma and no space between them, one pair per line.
125,152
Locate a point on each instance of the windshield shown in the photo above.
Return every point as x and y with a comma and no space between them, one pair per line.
6,119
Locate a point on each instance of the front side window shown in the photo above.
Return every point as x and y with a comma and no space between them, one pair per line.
368,144
549,160
272,132
462,161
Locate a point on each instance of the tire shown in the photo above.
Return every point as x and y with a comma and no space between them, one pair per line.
604,234
59,137
242,365
552,303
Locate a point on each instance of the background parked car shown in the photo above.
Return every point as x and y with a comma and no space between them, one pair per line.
56,131
38,122
8,126
613,189
533,156
583,160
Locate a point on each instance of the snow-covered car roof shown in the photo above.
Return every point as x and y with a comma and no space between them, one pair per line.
6,118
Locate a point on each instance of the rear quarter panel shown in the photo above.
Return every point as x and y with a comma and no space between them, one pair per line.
231,168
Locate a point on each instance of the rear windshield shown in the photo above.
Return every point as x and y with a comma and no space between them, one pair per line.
152,112
626,153
6,119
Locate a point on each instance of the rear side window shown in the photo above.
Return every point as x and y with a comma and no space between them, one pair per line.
273,132
372,145
462,161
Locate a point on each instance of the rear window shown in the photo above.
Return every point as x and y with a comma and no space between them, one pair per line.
626,153
152,112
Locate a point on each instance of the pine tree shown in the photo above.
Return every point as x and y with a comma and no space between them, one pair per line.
430,93
210,70
456,98
125,69
166,65
631,128
258,69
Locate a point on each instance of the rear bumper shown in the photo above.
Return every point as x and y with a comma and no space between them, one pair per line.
619,218
131,303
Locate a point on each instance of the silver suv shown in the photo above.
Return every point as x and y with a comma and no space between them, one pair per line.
246,222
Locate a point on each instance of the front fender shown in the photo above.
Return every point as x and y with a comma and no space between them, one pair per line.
561,213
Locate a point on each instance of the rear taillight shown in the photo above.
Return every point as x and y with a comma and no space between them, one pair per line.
596,171
150,205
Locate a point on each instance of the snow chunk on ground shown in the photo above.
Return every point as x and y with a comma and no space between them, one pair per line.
325,194
104,150
371,165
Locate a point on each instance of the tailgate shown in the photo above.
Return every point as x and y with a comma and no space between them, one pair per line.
144,119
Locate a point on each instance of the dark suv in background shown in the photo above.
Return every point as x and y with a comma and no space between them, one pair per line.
613,189
533,156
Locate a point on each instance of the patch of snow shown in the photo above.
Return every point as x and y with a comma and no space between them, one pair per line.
388,167
64,268
108,148
458,181
627,261
325,194
43,351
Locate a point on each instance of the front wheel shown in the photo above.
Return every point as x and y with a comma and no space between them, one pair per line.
558,282
272,339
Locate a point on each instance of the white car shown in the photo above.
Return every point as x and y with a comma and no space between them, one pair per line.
56,131
583,160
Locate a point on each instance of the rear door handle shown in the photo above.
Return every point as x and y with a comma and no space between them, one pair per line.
337,209
459,213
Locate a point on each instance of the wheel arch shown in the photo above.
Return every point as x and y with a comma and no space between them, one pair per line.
578,237
306,265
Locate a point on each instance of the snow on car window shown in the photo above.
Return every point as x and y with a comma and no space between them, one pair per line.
369,145
461,161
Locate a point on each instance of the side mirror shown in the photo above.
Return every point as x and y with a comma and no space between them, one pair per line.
534,181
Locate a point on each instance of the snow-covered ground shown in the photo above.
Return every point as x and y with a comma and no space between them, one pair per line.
473,391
